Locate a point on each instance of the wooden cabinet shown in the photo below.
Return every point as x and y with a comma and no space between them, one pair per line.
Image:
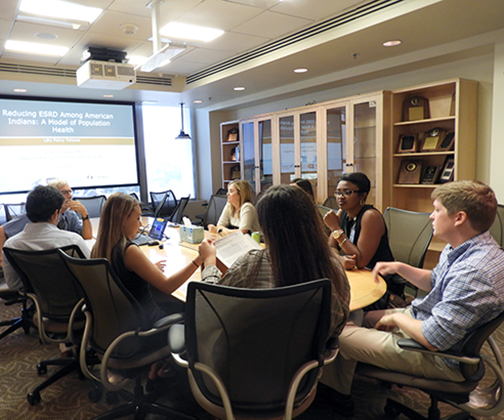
452,111
230,141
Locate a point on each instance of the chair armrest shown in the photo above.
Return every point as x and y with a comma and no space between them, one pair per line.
176,338
412,345
332,343
169,320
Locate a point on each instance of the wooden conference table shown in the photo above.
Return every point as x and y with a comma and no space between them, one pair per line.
364,290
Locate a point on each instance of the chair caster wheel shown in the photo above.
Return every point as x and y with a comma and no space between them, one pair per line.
95,396
41,369
112,398
33,398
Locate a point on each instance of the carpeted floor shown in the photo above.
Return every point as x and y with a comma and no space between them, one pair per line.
67,399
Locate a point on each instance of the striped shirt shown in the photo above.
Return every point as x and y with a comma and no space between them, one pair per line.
467,292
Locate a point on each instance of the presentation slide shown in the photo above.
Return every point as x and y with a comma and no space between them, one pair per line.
87,144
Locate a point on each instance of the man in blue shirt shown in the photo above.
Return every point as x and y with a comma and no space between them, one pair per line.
464,291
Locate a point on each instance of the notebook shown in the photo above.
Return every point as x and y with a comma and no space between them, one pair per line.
156,233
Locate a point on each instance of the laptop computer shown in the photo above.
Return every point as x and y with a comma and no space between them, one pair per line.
156,233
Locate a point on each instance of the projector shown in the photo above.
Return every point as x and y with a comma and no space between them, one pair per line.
95,74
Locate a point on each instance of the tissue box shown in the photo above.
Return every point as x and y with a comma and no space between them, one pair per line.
192,234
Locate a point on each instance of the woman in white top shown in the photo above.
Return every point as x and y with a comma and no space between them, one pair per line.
239,212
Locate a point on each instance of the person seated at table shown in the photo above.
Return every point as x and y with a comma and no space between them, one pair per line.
43,207
464,291
120,221
305,185
296,252
239,212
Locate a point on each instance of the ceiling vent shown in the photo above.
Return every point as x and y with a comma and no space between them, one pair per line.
105,75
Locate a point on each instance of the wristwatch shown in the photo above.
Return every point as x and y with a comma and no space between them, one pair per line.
337,233
85,218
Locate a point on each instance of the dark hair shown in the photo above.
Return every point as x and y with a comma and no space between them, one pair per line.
474,198
42,202
293,230
358,178
305,185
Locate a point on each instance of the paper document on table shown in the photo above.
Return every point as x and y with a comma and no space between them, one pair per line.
233,246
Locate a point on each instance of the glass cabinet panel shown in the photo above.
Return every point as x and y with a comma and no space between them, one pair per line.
336,146
287,165
266,156
364,143
248,153
308,136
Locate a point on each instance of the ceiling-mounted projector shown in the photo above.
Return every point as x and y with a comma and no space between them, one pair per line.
95,74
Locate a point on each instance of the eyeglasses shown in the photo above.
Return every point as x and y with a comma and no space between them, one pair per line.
66,192
346,193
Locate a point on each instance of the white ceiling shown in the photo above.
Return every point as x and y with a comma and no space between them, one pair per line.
344,54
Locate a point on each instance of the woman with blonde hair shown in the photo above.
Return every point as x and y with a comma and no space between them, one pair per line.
119,223
239,212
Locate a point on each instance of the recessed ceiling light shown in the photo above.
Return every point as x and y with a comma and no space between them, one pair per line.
108,96
392,43
193,32
300,70
20,90
60,10
46,35
239,88
197,101
35,48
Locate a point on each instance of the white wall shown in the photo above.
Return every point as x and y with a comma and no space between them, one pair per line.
496,167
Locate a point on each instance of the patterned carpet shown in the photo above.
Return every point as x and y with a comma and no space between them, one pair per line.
67,399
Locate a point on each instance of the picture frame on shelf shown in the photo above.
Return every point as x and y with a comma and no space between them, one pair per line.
448,141
415,108
432,139
447,172
410,171
232,134
430,174
407,143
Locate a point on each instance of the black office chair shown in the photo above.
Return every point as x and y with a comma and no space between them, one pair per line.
479,394
25,320
93,204
409,235
213,211
331,202
177,215
56,296
169,203
254,353
118,331
14,210
497,229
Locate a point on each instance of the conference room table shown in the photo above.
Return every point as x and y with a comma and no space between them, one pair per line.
363,289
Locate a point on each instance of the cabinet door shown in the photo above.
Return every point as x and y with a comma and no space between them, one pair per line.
364,154
287,149
265,163
336,146
249,156
308,147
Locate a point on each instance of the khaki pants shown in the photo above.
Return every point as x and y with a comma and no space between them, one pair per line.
379,348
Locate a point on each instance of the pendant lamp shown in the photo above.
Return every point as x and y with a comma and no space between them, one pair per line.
182,135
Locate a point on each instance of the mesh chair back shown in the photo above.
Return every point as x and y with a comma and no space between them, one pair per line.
409,235
331,202
93,204
221,191
176,217
14,210
114,310
44,274
168,205
256,339
214,209
497,229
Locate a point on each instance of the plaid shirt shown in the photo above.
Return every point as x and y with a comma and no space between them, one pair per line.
467,292
239,275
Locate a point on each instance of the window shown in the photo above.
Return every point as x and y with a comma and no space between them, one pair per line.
169,162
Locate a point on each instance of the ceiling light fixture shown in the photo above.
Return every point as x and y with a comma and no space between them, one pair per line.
20,90
239,88
197,101
58,9
162,57
392,43
182,135
301,70
193,32
35,48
